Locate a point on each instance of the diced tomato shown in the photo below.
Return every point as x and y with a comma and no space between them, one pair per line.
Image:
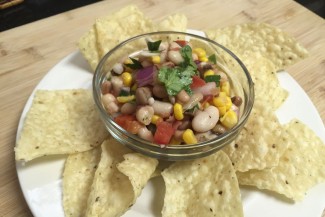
163,133
122,119
129,123
197,82
181,43
133,126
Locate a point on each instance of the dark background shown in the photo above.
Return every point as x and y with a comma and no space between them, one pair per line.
32,10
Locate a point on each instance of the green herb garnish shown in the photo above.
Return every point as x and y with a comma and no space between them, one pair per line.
124,93
174,79
153,46
186,53
135,64
212,58
180,77
213,78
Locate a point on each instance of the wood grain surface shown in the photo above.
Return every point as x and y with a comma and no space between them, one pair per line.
28,52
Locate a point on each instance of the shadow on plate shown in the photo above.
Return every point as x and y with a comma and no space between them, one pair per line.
159,194
42,160
78,60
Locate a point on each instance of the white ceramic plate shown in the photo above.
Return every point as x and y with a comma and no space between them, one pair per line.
41,179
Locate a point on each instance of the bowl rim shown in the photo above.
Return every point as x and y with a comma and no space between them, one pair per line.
96,94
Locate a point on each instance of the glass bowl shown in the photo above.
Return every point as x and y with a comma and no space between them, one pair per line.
232,65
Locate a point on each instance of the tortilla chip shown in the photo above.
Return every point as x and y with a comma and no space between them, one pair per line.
122,25
139,169
111,191
78,174
266,84
203,187
269,41
300,168
88,46
261,143
60,122
175,22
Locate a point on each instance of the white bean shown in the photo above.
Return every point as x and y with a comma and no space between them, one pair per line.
163,47
117,84
146,134
118,68
175,56
182,96
205,120
142,95
163,109
151,100
174,46
110,104
112,108
107,98
144,114
106,87
128,108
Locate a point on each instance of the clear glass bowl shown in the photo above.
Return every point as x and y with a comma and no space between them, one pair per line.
240,79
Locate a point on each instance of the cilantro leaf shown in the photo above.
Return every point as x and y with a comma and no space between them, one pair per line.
186,53
124,93
212,58
213,78
135,64
174,80
180,77
153,46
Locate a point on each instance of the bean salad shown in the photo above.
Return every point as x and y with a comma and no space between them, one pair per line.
171,93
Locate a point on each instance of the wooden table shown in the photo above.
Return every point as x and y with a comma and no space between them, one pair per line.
28,52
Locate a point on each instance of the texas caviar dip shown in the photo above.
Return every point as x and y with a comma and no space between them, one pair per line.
171,93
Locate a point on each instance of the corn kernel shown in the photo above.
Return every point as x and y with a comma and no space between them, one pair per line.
225,87
208,73
127,78
222,110
189,137
155,59
178,111
222,93
200,52
156,119
228,103
203,59
230,119
220,100
124,99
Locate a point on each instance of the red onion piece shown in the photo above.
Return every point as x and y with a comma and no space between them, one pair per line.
145,75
